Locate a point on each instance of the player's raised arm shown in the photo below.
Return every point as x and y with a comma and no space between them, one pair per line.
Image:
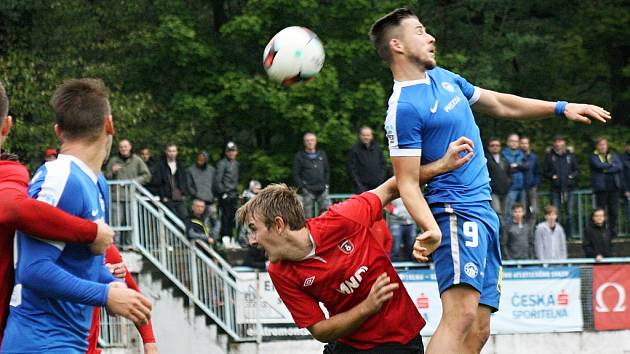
506,106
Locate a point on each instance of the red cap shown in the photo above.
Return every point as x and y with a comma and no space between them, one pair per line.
51,152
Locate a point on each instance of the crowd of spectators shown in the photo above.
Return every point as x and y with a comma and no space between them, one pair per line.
206,197
515,181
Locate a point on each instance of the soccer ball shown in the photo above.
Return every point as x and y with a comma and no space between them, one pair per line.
293,54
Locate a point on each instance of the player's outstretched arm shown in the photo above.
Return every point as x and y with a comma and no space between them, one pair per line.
407,171
342,324
506,106
44,220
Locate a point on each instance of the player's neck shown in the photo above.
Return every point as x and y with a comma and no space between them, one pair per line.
299,245
406,71
93,154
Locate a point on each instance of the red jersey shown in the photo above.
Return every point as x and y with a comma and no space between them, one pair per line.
18,211
112,256
340,273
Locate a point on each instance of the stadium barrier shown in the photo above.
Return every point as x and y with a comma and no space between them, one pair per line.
584,205
244,304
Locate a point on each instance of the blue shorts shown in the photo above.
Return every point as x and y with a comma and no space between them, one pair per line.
470,252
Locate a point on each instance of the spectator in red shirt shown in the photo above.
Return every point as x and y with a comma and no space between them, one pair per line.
17,211
335,259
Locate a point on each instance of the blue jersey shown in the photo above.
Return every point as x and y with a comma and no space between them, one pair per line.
58,284
424,117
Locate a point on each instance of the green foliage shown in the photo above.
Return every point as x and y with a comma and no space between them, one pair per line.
190,71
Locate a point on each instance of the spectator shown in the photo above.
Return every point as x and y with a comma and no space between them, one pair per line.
514,157
145,155
498,169
225,188
311,175
625,160
531,179
124,166
517,241
50,154
403,229
249,193
550,240
171,182
596,243
366,163
197,227
561,168
201,180
606,169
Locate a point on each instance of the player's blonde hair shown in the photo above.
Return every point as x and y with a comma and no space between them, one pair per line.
272,201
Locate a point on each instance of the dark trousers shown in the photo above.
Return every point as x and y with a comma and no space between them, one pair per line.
609,200
178,207
228,212
566,218
415,346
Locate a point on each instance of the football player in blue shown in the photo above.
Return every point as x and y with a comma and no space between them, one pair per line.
56,283
430,107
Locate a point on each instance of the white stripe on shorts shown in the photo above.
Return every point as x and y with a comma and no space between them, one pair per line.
454,248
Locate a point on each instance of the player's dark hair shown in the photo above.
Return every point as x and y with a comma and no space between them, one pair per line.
380,32
596,210
81,106
517,205
599,139
493,138
4,103
272,201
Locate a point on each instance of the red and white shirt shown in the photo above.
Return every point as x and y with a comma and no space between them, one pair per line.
340,272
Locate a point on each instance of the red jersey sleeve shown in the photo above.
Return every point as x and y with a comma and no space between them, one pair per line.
113,256
303,307
41,219
365,209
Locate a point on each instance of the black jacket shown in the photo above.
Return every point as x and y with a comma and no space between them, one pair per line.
625,176
499,174
226,178
596,240
564,167
605,172
165,181
366,166
312,175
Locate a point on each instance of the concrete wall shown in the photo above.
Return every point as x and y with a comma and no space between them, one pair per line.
614,342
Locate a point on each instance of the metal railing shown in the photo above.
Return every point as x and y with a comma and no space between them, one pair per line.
584,204
200,273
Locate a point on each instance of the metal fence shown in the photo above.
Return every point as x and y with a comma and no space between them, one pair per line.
584,205
199,273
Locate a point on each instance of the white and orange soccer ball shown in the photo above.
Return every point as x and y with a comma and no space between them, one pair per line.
293,54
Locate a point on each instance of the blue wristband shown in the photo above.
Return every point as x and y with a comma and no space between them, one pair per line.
560,105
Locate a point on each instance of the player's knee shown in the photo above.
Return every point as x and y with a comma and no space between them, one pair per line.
461,321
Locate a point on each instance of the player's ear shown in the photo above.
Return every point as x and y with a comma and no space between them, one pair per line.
278,223
57,131
109,125
7,123
396,45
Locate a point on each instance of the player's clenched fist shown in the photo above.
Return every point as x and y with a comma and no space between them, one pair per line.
425,244
104,238
458,153
382,290
128,303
